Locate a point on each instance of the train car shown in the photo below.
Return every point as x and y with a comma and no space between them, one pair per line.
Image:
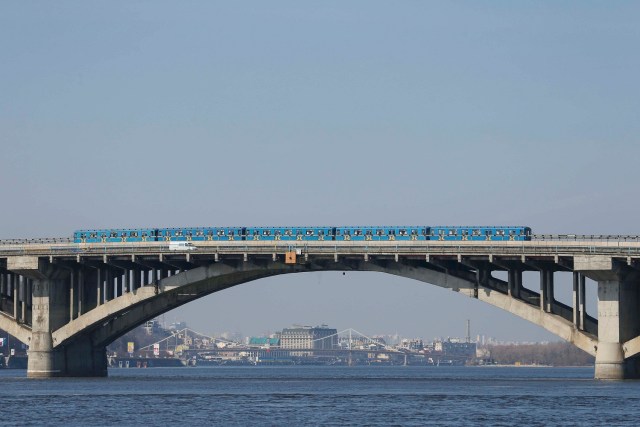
499,233
186,234
229,233
118,235
382,233
290,233
313,233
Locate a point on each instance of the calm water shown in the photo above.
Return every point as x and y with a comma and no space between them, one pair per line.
323,395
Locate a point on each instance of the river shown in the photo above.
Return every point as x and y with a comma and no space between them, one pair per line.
322,395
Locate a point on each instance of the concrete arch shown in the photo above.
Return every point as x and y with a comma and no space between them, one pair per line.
18,330
107,322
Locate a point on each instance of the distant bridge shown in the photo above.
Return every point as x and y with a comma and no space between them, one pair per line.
68,301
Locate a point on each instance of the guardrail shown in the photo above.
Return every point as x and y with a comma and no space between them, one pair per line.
38,241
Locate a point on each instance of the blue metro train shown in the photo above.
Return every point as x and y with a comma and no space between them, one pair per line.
352,233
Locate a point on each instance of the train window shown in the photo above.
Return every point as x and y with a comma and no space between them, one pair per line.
298,232
380,232
210,233
199,233
288,232
499,232
347,232
441,232
488,232
337,232
309,232
402,232
178,233
133,234
114,234
452,233
320,232
368,233
123,234
144,234
266,232
220,232
512,232
93,235
414,232
82,236
357,232
465,232
278,233
392,232
475,232
231,233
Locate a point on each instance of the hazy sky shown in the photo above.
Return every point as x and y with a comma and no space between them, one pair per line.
128,114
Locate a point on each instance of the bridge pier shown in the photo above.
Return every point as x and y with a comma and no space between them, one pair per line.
618,322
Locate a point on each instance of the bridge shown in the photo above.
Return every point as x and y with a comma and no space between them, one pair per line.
68,301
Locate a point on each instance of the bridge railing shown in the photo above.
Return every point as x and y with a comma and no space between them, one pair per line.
582,237
36,241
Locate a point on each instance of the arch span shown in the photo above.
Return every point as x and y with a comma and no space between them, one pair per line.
20,331
111,320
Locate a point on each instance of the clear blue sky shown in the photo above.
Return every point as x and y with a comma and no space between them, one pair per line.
126,114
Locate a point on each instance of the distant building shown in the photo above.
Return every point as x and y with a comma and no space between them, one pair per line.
264,342
459,348
307,337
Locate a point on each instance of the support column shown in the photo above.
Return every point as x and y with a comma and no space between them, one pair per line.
582,302
14,293
23,299
126,285
543,290
72,295
549,291
618,322
50,298
81,291
99,286
45,361
108,289
515,282
576,300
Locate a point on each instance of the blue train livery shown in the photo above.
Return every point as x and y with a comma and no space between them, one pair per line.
499,233
327,233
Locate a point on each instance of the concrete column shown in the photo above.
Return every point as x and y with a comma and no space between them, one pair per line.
108,289
23,299
126,282
48,296
72,295
618,322
515,282
575,301
29,311
81,291
543,290
99,286
549,291
14,292
582,302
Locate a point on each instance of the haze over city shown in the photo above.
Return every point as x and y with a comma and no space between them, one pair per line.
144,114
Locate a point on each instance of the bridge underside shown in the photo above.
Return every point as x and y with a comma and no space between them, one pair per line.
69,309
